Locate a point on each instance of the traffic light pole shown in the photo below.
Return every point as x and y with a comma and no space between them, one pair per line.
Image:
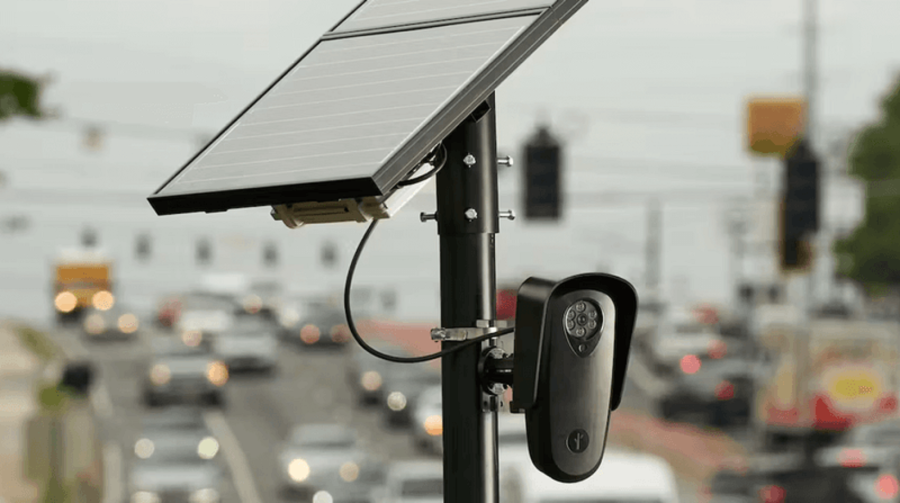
468,219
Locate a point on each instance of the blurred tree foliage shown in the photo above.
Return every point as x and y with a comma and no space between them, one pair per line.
871,254
19,95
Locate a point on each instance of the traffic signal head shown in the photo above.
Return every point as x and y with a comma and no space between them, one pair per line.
571,351
801,191
543,178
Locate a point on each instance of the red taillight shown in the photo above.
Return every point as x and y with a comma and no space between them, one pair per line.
826,418
887,404
772,494
725,390
887,486
852,458
690,364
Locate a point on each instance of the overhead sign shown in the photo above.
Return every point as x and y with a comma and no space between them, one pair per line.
774,124
365,105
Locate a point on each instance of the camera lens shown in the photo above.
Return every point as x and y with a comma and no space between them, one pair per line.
583,318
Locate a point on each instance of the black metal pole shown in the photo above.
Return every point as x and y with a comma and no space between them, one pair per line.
467,216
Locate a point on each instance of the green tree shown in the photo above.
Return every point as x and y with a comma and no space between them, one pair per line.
19,95
871,254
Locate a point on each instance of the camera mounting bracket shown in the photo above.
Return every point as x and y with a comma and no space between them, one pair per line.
482,327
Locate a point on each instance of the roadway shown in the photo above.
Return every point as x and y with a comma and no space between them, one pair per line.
310,386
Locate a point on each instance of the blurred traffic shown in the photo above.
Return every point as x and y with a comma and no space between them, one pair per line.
208,359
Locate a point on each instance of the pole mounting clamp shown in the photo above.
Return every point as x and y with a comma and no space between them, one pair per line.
482,327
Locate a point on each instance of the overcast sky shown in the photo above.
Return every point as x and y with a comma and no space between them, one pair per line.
649,94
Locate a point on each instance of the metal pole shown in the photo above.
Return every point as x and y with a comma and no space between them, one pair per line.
467,216
810,76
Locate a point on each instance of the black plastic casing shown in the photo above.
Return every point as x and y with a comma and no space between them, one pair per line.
567,392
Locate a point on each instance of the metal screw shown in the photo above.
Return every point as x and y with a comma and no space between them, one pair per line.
471,214
469,160
427,216
508,214
505,161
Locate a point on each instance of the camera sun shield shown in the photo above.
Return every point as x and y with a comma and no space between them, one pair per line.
572,343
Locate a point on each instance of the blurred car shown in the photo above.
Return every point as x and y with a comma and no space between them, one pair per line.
829,475
867,474
171,471
197,317
721,390
623,477
366,372
402,386
680,336
427,416
116,322
321,457
263,298
321,324
418,481
180,373
250,343
173,427
883,433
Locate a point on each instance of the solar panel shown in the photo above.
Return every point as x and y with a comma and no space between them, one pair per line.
387,13
359,111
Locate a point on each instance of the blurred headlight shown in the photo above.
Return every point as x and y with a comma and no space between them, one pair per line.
349,471
289,318
434,425
128,323
208,448
396,401
144,448
208,495
252,304
370,380
298,470
192,338
145,497
65,302
160,374
94,324
217,373
339,333
310,334
322,497
103,300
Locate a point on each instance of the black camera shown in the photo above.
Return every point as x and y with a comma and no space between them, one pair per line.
571,352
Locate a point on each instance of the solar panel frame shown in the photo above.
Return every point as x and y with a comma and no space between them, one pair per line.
404,158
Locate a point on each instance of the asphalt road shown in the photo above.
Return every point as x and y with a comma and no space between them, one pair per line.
260,410
309,386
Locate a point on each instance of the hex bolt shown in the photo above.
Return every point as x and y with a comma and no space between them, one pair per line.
508,214
471,214
427,216
505,161
469,160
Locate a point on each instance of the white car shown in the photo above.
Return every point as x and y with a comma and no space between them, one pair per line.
428,424
320,457
623,477
418,481
250,344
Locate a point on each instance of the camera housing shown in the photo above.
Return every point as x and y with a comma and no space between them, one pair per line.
572,343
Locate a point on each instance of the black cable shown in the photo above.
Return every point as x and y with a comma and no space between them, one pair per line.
433,171
391,358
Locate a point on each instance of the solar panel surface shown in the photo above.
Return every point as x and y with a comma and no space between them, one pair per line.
347,107
359,110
